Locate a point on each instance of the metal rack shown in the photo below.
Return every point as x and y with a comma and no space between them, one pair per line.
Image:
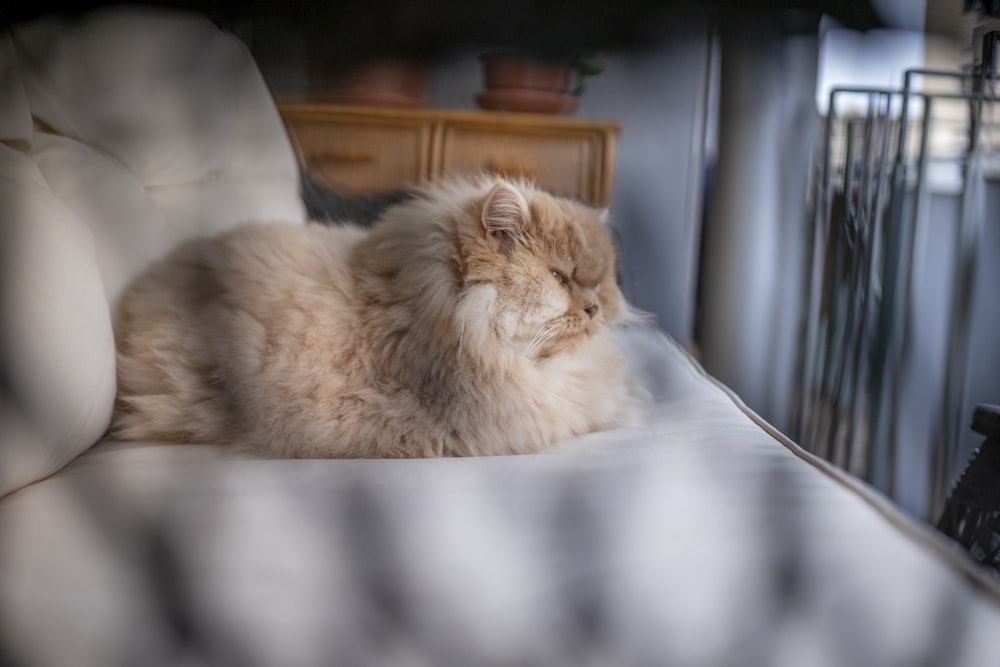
871,198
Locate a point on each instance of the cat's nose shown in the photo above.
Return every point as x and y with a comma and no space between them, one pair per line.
591,310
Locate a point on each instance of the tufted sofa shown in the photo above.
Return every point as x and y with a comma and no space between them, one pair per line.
700,537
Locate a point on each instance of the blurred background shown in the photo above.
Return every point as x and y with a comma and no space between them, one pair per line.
818,226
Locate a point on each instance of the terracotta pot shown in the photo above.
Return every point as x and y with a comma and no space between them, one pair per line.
395,83
518,82
527,100
514,70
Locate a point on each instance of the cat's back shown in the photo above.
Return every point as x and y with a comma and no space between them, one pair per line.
263,257
250,264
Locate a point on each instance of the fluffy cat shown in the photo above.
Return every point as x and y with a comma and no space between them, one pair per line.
474,318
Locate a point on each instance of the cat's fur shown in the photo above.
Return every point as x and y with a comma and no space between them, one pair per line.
474,318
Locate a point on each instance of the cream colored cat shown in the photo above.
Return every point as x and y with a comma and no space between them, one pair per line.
472,319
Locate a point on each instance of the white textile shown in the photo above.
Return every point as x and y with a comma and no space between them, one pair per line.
121,134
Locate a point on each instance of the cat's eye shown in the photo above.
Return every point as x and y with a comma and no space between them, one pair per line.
560,277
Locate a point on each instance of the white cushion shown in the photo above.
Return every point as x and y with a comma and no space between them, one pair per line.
699,537
58,350
123,133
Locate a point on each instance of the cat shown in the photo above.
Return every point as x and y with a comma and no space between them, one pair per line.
477,317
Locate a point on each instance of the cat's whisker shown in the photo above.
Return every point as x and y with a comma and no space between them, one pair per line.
541,338
533,344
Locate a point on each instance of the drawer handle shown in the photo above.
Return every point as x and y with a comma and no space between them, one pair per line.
511,169
352,156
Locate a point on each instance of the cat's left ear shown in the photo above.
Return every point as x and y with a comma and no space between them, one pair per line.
505,215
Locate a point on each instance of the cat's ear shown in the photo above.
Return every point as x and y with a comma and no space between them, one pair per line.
505,215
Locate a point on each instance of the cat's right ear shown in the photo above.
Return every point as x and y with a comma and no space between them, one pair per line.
504,216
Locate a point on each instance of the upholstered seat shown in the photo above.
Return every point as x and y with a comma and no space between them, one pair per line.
701,536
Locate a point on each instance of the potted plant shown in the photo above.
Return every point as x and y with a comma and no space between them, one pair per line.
385,81
518,81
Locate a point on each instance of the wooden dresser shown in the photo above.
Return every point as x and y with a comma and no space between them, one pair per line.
371,149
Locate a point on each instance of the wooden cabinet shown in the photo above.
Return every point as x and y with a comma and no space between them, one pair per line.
375,149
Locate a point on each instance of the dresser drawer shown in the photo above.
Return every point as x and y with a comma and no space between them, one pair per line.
365,149
565,162
359,156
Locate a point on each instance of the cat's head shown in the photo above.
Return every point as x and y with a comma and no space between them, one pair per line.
544,265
